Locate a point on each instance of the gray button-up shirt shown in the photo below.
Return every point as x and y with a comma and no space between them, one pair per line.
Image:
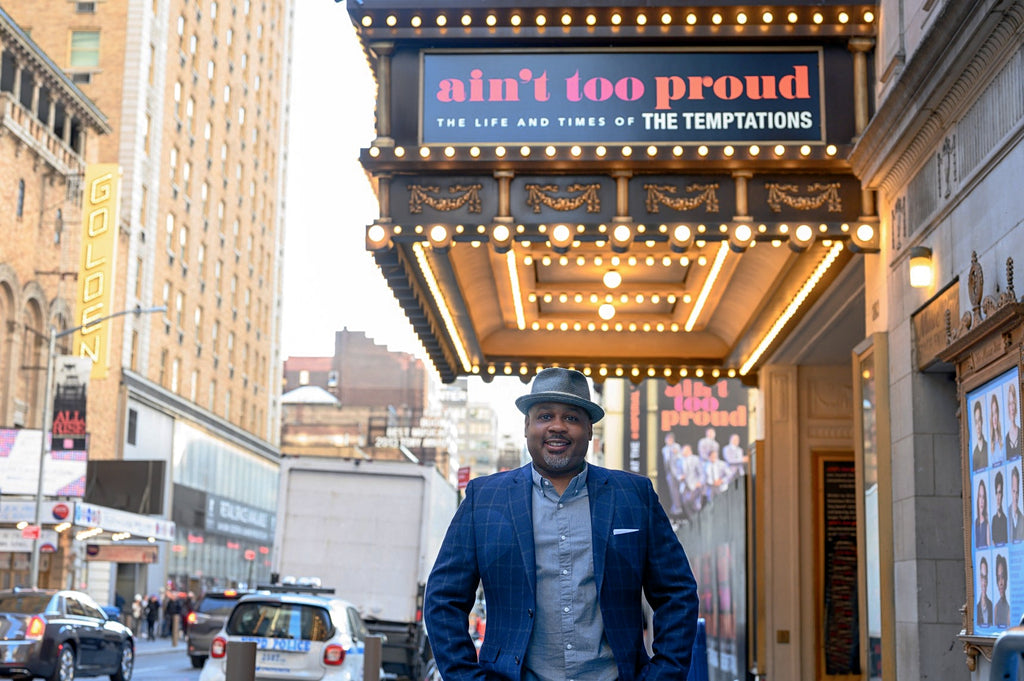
568,642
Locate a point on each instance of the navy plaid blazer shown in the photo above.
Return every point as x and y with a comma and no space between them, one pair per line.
490,540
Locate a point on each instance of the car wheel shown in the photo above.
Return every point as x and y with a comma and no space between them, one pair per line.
198,660
64,665
124,671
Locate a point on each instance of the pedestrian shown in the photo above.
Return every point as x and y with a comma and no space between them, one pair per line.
565,551
138,613
172,608
187,606
152,616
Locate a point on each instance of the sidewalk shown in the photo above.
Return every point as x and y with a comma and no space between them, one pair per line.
144,646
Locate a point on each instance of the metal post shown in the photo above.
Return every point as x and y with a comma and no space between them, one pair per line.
372,657
43,451
241,662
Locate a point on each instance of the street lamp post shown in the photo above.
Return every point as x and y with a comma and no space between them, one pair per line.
47,424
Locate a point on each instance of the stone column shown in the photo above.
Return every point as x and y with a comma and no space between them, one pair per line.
742,200
383,50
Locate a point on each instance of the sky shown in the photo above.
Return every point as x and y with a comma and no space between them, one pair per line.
330,280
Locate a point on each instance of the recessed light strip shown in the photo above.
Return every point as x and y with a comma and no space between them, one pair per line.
793,306
705,291
442,304
517,295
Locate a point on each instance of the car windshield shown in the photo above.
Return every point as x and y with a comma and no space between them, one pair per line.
216,605
280,620
24,604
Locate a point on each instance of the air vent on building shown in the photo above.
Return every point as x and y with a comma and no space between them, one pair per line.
85,7
81,78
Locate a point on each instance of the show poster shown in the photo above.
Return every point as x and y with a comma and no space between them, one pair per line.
635,432
701,446
71,381
716,547
997,520
588,97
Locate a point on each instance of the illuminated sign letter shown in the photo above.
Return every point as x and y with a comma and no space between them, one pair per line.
97,266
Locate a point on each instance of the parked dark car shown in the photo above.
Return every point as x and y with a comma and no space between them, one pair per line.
59,635
206,619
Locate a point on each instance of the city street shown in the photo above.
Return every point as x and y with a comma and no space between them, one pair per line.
159,661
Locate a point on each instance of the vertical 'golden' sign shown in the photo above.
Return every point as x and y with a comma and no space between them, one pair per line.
97,268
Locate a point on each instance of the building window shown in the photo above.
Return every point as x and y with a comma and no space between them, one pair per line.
85,49
133,426
135,351
304,377
175,370
138,277
58,226
20,209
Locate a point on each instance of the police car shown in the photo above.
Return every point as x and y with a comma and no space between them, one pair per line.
299,634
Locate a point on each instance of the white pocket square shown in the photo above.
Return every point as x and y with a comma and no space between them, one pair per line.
624,531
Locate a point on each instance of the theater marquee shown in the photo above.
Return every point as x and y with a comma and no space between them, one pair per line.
529,97
98,265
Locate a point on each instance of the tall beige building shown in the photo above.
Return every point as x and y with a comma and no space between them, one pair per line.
195,92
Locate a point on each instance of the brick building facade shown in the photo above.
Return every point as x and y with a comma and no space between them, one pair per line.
195,97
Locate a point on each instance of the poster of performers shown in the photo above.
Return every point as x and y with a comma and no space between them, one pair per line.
702,448
997,521
702,462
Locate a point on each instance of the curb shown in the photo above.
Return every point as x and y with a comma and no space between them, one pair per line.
147,647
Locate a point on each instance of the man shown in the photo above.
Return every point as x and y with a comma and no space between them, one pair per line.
706,444
983,611
564,550
669,453
999,521
734,455
1016,514
979,452
694,479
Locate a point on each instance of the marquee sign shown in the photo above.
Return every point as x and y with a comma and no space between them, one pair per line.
98,265
588,97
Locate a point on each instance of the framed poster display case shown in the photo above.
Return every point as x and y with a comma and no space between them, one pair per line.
986,346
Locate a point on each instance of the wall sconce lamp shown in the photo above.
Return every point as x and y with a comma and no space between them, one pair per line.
920,266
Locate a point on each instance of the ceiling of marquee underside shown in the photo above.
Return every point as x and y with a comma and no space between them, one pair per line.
532,307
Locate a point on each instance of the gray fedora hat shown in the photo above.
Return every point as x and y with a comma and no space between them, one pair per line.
566,386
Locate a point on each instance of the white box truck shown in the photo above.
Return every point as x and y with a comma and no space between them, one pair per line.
370,530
